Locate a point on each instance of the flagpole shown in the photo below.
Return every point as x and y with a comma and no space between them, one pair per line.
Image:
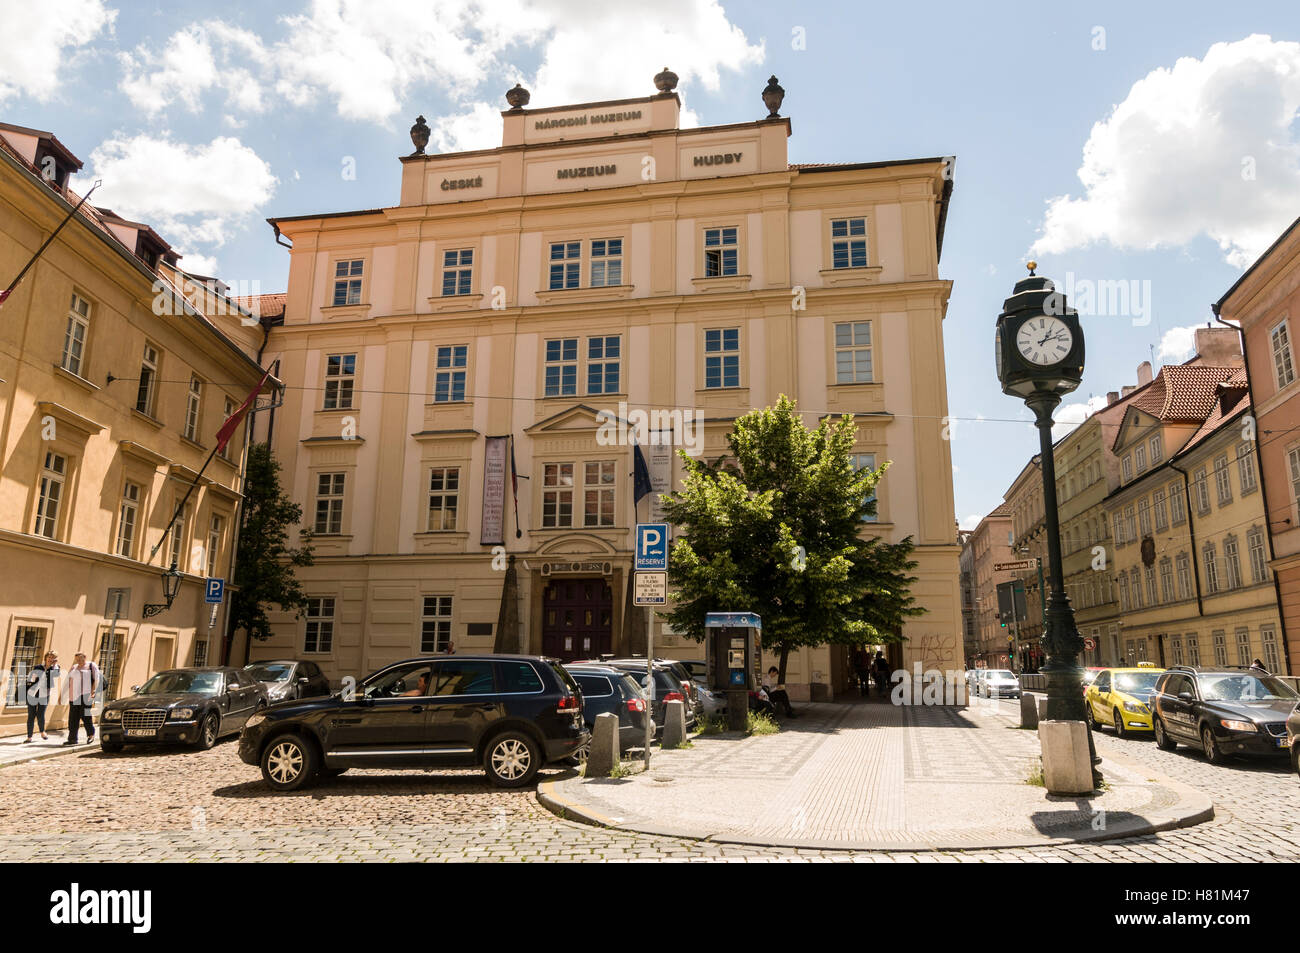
46,244
181,506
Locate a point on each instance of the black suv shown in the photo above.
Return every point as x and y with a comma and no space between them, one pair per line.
1223,710
608,689
510,714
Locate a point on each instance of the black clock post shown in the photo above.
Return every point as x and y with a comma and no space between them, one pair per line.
1039,346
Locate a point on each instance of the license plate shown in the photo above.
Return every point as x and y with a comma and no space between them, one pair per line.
1281,742
141,732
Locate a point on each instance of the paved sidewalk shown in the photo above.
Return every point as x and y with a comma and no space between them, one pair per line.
876,777
14,751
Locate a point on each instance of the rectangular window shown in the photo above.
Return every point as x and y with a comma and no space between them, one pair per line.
1193,650
1157,450
561,368
1272,660
866,461
1166,580
319,635
1144,517
127,517
598,493
200,653
1162,514
566,265
347,283
29,643
216,528
606,262
110,653
1231,563
848,243
1201,485
1243,646
1211,569
193,408
720,252
435,624
227,411
1283,368
444,498
54,473
1246,468
722,357
603,364
1222,480
74,336
1123,592
1151,586
1184,576
340,378
329,503
1130,525
1177,507
176,539
1140,458
147,389
1220,647
1135,587
449,374
1258,559
1128,467
853,353
1119,530
1176,647
557,494
457,271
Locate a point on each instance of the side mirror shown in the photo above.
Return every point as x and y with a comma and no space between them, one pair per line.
304,680
1186,696
135,689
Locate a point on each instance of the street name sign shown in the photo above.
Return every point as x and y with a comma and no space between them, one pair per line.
1016,565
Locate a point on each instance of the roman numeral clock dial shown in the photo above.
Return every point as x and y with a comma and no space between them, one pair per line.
1044,340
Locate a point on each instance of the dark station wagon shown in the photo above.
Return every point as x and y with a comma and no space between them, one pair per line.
509,714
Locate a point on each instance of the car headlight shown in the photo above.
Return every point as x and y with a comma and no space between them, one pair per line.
255,720
1136,708
112,714
1237,725
181,714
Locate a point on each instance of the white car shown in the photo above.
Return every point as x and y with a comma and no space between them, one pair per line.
1000,682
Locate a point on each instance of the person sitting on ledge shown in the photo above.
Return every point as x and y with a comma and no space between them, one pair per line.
777,692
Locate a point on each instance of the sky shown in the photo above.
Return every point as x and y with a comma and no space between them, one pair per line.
1144,154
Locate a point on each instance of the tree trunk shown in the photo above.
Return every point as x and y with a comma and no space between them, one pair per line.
785,654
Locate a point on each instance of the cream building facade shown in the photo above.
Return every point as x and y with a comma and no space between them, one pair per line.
602,263
109,405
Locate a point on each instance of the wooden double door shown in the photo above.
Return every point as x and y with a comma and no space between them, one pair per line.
577,618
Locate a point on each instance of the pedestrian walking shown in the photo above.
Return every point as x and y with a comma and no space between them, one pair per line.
83,682
41,682
882,673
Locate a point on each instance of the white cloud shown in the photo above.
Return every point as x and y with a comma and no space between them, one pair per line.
971,521
189,193
368,59
1178,344
1206,147
35,38
1070,415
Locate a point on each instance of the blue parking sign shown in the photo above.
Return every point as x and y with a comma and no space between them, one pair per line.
651,547
215,591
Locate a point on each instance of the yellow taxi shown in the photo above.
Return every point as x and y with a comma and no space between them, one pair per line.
1121,698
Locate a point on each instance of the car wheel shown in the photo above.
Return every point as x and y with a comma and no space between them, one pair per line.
1093,723
512,760
1120,730
1163,741
288,763
109,747
208,731
579,757
1213,753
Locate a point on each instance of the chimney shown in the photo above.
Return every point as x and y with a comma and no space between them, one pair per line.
1218,346
1128,389
1144,373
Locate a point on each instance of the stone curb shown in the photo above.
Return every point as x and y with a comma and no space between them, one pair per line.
59,752
1192,808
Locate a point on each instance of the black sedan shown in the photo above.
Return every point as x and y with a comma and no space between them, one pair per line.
182,706
287,679
1224,711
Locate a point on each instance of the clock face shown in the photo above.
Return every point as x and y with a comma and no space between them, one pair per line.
1044,340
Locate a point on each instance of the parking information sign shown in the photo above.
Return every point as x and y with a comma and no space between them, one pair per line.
215,591
651,547
650,589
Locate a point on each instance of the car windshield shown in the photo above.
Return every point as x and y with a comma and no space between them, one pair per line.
1090,677
1243,687
1002,674
1140,683
170,683
270,671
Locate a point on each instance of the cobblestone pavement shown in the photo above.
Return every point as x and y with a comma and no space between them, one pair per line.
158,804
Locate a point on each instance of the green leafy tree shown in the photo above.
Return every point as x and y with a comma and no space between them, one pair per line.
777,529
264,570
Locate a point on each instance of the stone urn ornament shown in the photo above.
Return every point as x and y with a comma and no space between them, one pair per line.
773,96
420,135
518,97
666,81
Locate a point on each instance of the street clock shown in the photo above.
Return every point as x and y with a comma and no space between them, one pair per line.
1038,343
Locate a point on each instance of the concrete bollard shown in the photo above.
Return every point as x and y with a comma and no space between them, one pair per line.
603,752
1028,710
674,725
1067,763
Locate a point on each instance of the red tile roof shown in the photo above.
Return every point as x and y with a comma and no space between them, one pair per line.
268,305
1232,398
1183,391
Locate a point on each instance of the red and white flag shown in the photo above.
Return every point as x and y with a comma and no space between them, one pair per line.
232,424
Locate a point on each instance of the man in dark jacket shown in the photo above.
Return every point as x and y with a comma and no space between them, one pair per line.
40,688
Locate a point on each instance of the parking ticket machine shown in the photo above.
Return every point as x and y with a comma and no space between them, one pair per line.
733,659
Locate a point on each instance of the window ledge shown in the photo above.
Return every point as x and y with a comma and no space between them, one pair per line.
441,303
706,391
449,404
345,311
723,283
151,421
334,537
67,375
601,293
191,442
442,534
867,275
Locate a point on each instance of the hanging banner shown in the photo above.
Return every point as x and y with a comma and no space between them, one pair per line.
659,461
495,462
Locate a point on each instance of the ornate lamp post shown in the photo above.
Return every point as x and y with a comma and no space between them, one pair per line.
1039,347
171,582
